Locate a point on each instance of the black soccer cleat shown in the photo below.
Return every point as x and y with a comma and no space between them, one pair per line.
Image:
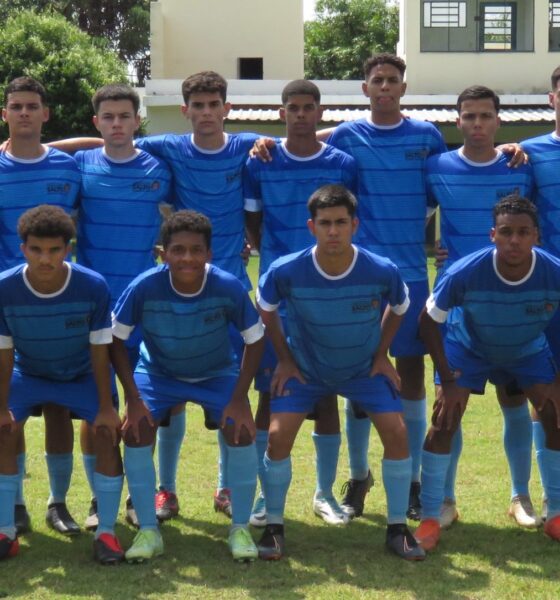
272,545
355,491
414,511
22,519
401,542
107,550
59,519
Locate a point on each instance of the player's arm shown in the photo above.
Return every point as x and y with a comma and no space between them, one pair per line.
107,416
72,145
382,365
253,221
6,369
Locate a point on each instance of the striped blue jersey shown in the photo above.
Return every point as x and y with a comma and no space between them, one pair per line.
333,323
118,218
392,187
52,333
466,193
211,183
501,321
281,189
186,336
51,179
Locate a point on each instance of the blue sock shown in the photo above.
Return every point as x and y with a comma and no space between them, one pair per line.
539,440
551,463
242,475
20,458
261,443
222,461
141,477
414,413
327,448
60,472
451,476
434,468
89,461
277,478
108,492
396,480
357,436
8,491
169,440
518,444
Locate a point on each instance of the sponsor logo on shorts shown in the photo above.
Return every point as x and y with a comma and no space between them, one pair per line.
76,322
58,188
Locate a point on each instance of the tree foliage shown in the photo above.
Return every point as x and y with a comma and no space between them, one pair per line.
345,33
70,64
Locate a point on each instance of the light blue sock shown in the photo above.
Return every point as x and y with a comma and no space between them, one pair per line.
89,461
539,439
222,461
262,443
277,478
551,463
357,436
242,473
414,414
8,491
141,477
327,448
169,440
456,449
518,444
20,458
396,480
108,492
434,468
60,472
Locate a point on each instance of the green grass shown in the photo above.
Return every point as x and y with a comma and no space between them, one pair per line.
484,556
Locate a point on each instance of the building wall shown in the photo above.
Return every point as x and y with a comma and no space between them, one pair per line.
188,36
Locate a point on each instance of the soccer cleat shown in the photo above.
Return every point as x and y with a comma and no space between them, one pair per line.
107,549
59,519
131,517
272,545
428,534
552,528
258,514
8,547
167,505
22,520
222,501
414,511
401,542
355,491
448,513
522,511
92,520
241,544
147,544
329,510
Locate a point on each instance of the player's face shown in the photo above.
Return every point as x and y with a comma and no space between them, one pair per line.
117,122
554,100
384,87
514,236
206,112
333,228
187,255
478,121
301,114
45,261
25,114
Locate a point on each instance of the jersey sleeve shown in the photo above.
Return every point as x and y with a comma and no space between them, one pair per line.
127,313
153,144
268,296
6,340
100,321
350,174
446,295
397,294
245,316
438,144
251,186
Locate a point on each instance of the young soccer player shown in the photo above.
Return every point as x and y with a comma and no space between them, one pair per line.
338,340
512,287
55,331
183,300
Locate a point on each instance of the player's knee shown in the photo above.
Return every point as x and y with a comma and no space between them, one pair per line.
104,437
9,440
549,422
146,435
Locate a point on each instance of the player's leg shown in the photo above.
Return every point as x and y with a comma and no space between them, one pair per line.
21,516
87,446
9,481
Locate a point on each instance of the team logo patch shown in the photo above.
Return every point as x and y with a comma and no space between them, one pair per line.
58,188
375,304
155,186
549,307
537,309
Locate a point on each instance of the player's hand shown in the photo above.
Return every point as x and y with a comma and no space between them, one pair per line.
285,369
6,145
440,256
449,406
110,419
135,411
7,421
246,253
518,155
261,149
239,411
540,394
383,366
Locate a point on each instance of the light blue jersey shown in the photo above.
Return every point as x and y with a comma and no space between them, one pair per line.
52,333
52,178
392,188
118,218
501,321
333,322
211,183
466,193
186,336
281,189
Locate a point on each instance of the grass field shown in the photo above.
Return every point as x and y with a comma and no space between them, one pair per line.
484,556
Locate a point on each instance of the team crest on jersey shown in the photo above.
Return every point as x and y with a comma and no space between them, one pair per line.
233,176
418,154
537,309
58,188
76,322
375,304
549,307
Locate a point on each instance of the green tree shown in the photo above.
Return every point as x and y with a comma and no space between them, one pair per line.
67,61
345,33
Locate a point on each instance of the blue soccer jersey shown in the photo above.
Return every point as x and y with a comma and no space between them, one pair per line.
211,183
333,322
392,188
25,183
501,321
52,333
118,218
187,336
466,193
281,189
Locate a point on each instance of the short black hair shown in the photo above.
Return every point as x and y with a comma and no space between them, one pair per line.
331,195
301,87
204,82
384,58
514,204
554,78
185,220
115,91
25,84
46,221
478,92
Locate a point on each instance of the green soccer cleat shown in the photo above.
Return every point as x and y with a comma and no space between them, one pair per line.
241,544
147,544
